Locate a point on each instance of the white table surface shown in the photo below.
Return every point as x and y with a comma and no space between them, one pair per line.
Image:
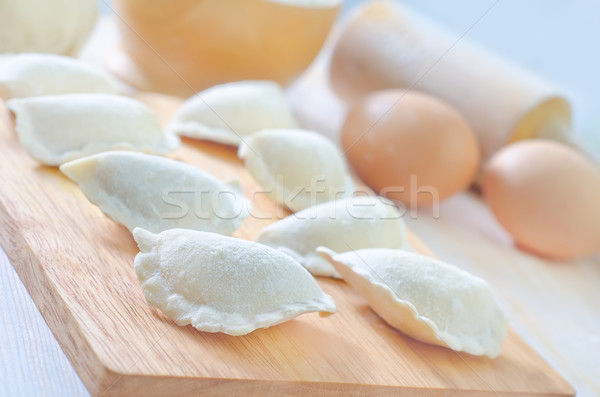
555,307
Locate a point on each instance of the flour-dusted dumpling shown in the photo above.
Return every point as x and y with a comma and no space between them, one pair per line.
341,225
297,168
223,284
58,128
26,75
227,113
426,299
57,26
156,193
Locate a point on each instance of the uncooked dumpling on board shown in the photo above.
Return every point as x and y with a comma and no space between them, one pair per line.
341,225
227,113
57,26
297,168
425,298
32,74
223,284
156,193
58,128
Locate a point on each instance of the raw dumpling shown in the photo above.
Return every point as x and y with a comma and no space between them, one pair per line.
58,128
156,193
223,284
425,298
297,168
26,75
341,225
227,113
57,26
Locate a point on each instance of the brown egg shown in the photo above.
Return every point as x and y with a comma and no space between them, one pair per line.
386,44
410,146
547,196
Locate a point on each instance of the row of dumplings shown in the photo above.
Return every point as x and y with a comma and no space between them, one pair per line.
68,114
218,283
67,110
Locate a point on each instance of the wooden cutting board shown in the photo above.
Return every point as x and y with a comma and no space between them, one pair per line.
78,267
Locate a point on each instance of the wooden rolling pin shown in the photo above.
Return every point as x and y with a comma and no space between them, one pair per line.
383,44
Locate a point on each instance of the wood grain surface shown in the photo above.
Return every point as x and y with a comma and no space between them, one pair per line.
78,267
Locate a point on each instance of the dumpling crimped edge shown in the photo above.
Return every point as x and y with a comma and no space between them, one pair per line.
146,263
473,345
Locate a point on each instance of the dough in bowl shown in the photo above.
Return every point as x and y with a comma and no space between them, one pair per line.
425,298
156,193
223,284
58,128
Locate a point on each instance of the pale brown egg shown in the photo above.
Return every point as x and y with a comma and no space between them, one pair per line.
387,44
410,146
547,196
